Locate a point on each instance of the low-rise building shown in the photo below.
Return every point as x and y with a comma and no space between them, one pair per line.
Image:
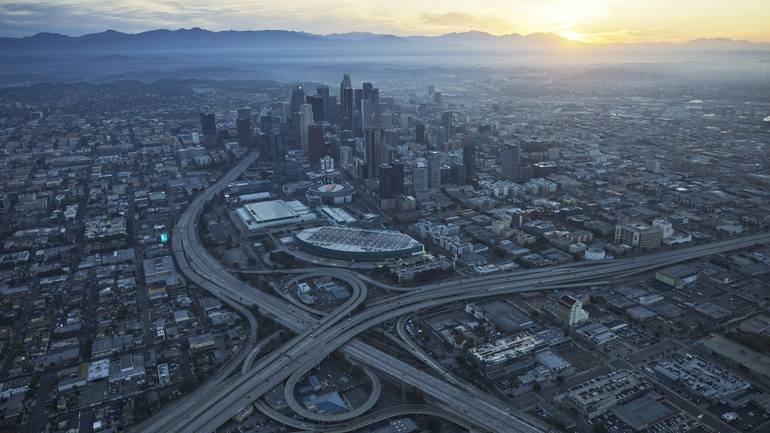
638,235
597,396
571,311
493,357
699,376
272,213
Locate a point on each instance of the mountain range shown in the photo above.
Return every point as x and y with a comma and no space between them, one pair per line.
273,40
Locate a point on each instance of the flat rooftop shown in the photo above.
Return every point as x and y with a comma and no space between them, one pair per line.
642,412
273,212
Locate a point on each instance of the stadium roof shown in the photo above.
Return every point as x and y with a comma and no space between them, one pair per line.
351,242
330,190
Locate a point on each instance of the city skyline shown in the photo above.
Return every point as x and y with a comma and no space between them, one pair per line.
500,216
591,21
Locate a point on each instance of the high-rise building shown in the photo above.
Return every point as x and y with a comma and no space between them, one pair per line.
437,98
391,180
392,138
398,177
346,83
346,100
346,108
294,129
367,90
243,128
458,174
328,103
375,98
265,123
305,120
315,138
209,129
319,107
243,113
372,94
367,113
297,98
346,156
373,140
358,95
419,132
510,162
446,122
387,181
278,156
420,175
469,161
434,170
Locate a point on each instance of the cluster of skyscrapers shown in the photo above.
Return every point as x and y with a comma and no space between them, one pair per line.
351,129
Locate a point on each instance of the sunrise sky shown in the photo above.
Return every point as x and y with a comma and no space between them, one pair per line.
597,21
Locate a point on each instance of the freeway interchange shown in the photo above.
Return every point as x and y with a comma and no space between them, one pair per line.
316,335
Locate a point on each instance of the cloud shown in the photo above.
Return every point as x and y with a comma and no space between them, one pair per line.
447,19
459,21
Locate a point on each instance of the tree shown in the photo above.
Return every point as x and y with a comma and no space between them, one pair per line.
600,428
187,385
434,424
356,370
414,395
536,387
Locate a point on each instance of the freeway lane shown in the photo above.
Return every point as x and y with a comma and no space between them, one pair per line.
332,341
633,264
209,274
297,345
614,269
252,355
171,411
228,403
436,297
481,409
298,408
420,354
535,277
270,370
364,421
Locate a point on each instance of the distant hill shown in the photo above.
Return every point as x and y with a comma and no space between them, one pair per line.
194,38
201,39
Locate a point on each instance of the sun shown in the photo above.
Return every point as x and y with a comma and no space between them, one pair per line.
570,35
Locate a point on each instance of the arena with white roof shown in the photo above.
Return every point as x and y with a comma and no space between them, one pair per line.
358,244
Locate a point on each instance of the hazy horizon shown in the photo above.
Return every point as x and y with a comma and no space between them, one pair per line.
358,35
596,21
